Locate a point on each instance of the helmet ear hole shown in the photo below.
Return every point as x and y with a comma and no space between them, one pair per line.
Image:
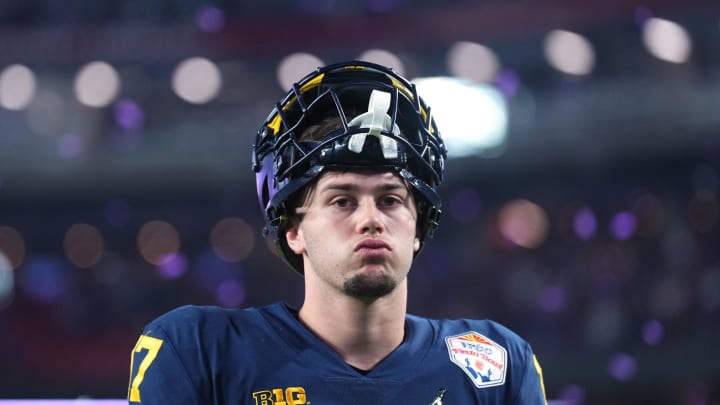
265,192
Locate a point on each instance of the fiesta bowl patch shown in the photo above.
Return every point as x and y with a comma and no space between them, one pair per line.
483,360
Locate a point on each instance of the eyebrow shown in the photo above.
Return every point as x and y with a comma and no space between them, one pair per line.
353,187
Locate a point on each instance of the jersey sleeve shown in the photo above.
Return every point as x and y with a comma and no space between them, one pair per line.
532,388
158,375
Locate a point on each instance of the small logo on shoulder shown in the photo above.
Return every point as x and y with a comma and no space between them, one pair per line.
483,360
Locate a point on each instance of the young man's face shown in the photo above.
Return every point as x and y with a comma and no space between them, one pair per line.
357,233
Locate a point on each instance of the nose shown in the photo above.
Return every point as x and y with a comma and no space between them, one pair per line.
369,217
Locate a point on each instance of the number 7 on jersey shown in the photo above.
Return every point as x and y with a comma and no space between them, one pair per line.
152,345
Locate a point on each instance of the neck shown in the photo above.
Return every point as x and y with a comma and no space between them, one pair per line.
362,332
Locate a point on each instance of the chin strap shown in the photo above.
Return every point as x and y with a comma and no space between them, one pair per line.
376,120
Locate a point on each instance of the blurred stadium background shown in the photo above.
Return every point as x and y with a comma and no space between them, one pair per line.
581,201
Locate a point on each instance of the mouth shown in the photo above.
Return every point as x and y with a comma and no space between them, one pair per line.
372,247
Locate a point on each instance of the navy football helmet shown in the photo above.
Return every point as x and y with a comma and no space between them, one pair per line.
393,129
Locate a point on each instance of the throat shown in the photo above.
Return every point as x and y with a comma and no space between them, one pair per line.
362,334
363,358
360,370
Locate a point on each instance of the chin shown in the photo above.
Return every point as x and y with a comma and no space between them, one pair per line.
369,285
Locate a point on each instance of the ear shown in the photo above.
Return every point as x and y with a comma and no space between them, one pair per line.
416,244
294,238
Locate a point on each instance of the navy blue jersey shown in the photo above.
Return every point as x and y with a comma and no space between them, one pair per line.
265,356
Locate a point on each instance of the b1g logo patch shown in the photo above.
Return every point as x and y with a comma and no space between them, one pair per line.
483,360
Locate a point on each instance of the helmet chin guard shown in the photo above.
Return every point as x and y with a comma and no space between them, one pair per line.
393,130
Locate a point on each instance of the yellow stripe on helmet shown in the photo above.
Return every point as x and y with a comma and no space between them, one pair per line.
274,124
276,121
402,88
312,83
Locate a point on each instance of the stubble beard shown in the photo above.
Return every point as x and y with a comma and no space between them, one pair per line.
368,286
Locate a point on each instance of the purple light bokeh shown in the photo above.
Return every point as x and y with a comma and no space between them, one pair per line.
117,213
641,15
585,224
507,82
210,19
70,146
622,366
208,271
623,225
553,299
230,293
172,266
464,205
128,115
653,332
44,279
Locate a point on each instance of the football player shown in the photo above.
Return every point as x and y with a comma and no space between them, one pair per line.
348,167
